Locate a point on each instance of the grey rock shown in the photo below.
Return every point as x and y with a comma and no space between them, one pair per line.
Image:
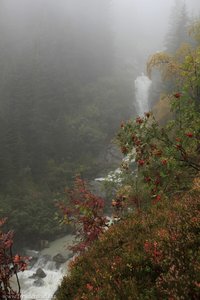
40,273
59,258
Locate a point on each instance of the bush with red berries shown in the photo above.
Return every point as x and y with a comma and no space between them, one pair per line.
151,255
168,157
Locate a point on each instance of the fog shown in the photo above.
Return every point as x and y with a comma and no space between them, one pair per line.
141,26
58,31
72,71
67,73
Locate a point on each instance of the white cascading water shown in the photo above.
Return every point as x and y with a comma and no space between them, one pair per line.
54,275
142,86
49,284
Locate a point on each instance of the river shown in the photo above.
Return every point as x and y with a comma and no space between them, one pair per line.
44,288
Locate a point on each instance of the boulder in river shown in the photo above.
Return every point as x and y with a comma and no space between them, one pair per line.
59,258
40,273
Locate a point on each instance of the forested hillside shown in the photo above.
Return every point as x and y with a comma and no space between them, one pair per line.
60,104
77,81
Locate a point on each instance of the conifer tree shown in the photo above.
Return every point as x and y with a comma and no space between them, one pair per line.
179,21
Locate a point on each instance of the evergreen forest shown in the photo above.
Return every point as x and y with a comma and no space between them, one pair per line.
60,105
78,158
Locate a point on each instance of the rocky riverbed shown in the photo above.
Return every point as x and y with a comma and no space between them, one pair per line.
48,267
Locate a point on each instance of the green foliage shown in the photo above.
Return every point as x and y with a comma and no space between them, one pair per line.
31,214
75,129
43,149
175,73
180,69
153,251
167,157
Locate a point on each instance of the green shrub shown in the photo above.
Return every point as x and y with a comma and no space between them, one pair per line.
154,255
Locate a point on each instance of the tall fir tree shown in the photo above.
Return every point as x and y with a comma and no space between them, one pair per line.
178,24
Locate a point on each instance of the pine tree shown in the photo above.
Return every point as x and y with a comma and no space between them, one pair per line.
179,21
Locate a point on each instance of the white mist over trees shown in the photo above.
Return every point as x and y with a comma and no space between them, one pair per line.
47,50
142,26
60,104
67,71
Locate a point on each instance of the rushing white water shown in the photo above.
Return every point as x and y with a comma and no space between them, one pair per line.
49,284
142,86
44,288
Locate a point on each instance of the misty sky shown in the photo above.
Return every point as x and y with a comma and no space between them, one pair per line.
139,26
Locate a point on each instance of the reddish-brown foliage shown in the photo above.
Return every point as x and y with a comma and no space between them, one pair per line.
10,265
85,211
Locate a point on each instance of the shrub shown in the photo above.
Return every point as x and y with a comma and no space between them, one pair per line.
84,211
9,266
154,255
167,157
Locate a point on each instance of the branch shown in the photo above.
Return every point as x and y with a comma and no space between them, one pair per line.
15,272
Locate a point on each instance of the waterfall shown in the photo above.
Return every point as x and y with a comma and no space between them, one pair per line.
142,86
43,288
